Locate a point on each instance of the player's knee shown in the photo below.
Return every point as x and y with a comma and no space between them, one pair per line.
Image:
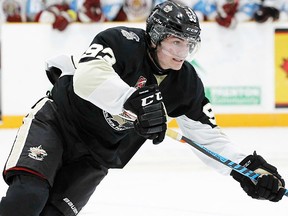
27,195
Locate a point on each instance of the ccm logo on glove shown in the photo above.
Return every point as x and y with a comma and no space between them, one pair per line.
146,103
149,100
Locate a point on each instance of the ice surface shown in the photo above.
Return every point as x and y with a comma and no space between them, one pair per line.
169,180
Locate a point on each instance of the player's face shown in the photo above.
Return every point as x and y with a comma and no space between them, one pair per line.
171,52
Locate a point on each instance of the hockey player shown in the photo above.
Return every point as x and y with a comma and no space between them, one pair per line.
87,125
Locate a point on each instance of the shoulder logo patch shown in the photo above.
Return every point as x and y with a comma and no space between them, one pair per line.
130,35
140,82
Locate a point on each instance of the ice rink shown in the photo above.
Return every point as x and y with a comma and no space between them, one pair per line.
169,180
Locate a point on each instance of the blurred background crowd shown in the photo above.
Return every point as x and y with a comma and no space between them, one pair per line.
60,13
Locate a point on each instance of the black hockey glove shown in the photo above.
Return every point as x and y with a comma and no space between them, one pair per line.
270,185
147,104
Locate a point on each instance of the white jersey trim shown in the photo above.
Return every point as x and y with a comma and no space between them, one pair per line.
213,139
22,135
97,82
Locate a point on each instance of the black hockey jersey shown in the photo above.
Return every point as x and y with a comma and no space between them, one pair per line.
116,63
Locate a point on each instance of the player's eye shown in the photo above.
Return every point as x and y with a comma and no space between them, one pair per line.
176,42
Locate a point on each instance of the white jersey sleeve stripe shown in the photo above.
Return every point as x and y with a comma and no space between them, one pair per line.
97,82
213,139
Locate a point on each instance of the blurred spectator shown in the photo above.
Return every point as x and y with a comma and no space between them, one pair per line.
268,11
113,10
60,13
89,11
137,10
206,10
226,10
246,10
33,7
13,11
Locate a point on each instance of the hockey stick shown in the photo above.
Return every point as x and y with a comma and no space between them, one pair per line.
237,167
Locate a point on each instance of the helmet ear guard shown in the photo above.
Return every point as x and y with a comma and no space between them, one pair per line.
157,34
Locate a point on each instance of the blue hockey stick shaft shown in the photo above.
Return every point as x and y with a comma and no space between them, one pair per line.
235,166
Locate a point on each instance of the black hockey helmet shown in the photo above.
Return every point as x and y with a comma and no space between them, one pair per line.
171,18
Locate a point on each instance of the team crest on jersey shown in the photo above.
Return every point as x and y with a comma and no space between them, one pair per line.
130,35
140,82
124,121
118,122
37,153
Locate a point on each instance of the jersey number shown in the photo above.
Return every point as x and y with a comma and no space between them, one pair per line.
207,109
99,52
